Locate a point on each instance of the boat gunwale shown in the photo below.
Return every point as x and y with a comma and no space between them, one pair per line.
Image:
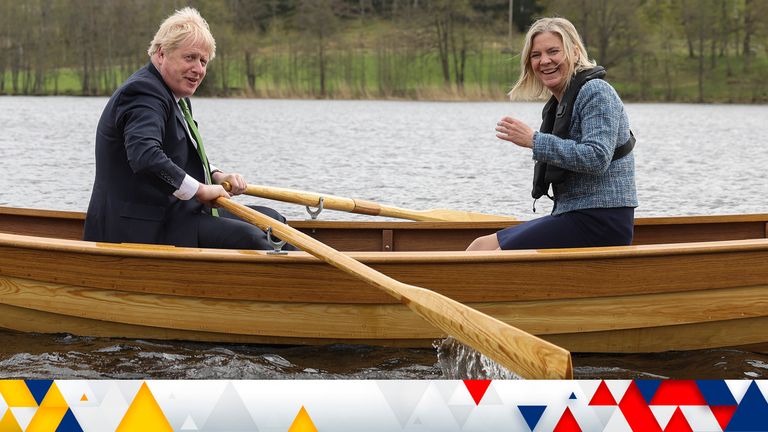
388,223
137,250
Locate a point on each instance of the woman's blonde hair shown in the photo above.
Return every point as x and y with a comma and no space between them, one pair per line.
185,25
576,58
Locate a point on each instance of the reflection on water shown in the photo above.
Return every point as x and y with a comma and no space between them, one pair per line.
64,356
35,356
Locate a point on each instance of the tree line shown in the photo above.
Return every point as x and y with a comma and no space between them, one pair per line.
667,50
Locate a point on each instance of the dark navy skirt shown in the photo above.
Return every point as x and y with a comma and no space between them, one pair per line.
578,228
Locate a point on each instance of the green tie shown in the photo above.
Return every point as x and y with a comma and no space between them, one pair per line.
200,148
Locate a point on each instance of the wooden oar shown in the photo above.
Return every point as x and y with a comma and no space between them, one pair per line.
312,199
518,351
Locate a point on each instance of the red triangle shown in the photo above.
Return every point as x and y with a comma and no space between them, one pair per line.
678,392
567,423
678,423
723,414
477,389
603,396
636,411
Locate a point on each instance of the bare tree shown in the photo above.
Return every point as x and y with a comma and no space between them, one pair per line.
610,29
317,19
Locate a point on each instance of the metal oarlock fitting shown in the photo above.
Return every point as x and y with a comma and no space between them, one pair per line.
276,246
314,213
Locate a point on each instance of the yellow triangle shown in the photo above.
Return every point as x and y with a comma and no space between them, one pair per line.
144,414
302,422
17,394
46,419
54,398
8,423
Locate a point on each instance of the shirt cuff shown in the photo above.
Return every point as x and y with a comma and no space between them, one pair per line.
188,188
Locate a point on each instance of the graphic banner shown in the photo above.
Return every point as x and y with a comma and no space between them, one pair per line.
381,405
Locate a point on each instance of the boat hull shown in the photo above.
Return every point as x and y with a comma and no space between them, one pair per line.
643,298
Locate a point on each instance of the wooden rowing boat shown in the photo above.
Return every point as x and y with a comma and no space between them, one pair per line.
688,283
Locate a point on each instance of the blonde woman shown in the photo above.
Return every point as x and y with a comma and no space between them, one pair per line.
583,147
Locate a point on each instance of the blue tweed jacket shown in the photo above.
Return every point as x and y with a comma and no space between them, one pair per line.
599,125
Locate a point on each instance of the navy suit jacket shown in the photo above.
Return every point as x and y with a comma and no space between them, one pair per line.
143,152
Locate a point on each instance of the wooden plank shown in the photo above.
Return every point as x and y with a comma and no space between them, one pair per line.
716,334
475,277
422,236
387,322
738,333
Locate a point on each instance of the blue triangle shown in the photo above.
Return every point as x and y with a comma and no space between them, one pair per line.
69,423
716,392
573,396
648,388
750,414
532,414
38,388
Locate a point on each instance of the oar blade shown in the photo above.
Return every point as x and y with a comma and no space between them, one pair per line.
520,352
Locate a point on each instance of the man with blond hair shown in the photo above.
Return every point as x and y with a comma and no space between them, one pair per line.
154,183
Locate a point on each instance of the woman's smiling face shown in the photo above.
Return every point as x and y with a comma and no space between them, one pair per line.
547,61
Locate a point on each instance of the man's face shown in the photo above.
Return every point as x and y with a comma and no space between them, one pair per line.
183,69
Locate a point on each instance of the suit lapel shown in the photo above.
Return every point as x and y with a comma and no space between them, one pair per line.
176,110
179,117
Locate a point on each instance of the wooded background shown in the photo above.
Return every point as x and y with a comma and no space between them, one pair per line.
654,50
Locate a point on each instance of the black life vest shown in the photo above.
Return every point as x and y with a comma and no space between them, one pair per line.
556,119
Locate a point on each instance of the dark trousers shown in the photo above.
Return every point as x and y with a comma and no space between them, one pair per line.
579,228
229,232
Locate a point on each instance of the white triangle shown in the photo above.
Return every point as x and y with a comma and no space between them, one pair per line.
129,388
23,415
99,389
230,413
618,423
445,388
618,388
189,424
663,414
700,418
461,396
738,388
187,398
106,415
491,396
461,413
73,391
402,397
603,413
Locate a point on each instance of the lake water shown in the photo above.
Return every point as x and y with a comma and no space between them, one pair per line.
691,160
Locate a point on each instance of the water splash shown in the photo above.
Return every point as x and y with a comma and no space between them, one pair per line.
458,361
